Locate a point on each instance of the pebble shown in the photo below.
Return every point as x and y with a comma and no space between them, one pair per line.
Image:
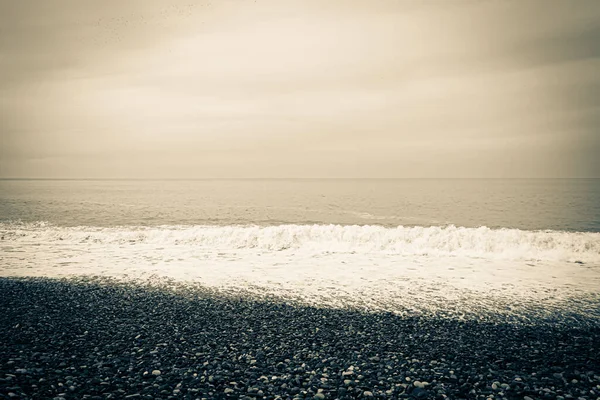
205,341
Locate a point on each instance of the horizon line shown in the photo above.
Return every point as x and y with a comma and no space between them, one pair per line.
282,179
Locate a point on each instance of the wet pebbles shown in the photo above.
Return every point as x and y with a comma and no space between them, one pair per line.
98,340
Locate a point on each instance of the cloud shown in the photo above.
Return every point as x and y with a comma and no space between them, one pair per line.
384,88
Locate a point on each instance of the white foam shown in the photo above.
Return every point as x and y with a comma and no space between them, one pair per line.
370,266
499,244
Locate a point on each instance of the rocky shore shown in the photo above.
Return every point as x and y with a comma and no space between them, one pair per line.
88,339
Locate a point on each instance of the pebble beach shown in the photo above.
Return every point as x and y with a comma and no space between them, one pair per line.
92,338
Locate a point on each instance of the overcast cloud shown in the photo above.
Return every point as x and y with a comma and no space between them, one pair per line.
283,88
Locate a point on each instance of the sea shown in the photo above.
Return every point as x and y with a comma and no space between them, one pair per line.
377,240
571,205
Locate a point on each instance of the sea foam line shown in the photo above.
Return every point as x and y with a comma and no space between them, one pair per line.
482,242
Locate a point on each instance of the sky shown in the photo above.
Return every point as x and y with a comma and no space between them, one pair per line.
300,89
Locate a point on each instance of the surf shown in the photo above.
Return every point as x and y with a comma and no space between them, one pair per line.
437,241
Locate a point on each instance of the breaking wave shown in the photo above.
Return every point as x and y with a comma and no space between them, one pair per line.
483,242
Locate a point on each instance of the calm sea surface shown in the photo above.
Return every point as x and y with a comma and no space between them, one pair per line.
539,204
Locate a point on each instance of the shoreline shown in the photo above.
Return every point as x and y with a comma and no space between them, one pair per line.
75,337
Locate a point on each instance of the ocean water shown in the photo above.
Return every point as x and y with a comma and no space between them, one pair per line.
384,243
538,204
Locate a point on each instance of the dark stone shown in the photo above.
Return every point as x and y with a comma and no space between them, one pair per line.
84,334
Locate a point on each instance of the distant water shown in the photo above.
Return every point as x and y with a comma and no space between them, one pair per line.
542,204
